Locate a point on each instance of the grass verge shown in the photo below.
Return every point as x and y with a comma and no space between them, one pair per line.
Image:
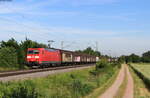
8,69
11,68
97,92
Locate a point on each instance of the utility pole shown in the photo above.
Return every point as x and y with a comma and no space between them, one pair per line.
50,42
62,45
96,45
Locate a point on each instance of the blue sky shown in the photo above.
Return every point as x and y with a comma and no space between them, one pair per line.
119,26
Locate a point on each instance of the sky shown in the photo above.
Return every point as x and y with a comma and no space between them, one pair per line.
120,27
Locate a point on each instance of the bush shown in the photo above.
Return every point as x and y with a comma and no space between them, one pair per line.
118,64
80,89
22,90
102,64
8,57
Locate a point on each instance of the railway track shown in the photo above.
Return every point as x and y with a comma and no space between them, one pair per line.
21,72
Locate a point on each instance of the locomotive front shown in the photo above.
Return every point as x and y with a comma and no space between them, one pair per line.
33,57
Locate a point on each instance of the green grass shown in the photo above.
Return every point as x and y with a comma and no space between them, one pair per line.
12,68
97,92
8,69
143,68
140,90
75,84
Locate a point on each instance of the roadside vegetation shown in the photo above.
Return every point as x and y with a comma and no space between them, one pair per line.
75,84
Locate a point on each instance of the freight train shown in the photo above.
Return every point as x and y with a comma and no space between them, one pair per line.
46,57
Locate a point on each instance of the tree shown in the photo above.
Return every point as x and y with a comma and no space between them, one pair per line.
10,43
131,58
135,58
90,51
21,48
8,57
122,59
31,44
128,59
146,56
14,44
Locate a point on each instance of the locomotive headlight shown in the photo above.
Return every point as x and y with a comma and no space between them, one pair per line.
36,57
28,57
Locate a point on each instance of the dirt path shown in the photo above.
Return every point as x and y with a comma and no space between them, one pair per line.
130,86
112,91
114,88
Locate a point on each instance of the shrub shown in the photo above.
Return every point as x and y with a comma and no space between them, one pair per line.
102,64
8,57
21,90
118,64
79,89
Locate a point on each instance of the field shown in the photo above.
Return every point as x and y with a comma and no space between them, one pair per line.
143,68
141,80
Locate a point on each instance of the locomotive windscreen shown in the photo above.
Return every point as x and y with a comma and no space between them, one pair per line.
33,52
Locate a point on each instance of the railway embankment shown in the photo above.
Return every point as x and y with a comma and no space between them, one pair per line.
73,84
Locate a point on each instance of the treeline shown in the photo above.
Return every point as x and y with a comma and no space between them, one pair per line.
90,51
136,58
13,53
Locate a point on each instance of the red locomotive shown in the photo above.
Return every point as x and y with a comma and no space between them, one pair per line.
43,57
